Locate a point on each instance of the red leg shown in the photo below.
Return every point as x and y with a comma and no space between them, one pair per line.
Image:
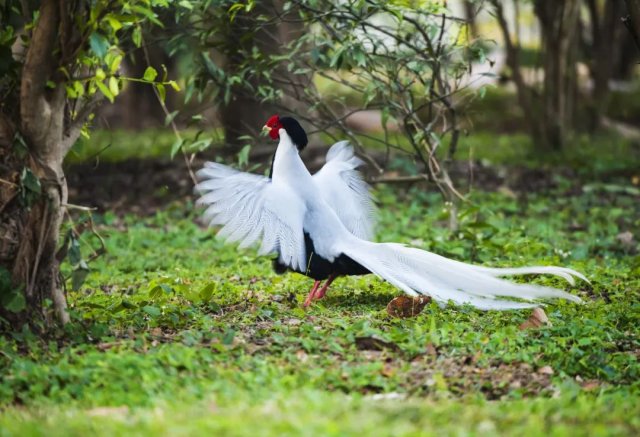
312,293
321,293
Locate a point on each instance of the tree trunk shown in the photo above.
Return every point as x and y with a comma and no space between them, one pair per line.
470,15
526,98
245,114
30,238
31,216
606,50
559,23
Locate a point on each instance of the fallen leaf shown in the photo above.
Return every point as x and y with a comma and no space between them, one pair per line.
387,370
506,191
405,306
591,384
293,322
431,350
625,238
375,344
302,356
545,370
537,319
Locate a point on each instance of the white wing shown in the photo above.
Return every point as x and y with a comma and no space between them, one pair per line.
343,188
252,208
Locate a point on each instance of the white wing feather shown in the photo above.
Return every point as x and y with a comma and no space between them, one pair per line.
343,188
252,209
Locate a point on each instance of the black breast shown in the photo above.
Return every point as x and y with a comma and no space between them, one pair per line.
320,268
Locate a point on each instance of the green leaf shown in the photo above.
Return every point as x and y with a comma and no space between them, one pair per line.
175,148
128,305
12,299
228,337
174,85
14,302
136,36
162,91
75,256
155,292
148,13
99,44
113,61
30,181
150,74
113,86
115,24
107,93
200,145
100,74
243,155
186,4
151,310
79,275
170,117
207,291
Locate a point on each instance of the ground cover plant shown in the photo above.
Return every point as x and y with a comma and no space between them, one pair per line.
121,314
173,332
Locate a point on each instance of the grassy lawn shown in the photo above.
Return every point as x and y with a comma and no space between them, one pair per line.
174,333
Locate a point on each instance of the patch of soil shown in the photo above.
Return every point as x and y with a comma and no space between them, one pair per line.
137,186
461,376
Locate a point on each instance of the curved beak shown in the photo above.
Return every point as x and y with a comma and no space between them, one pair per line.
265,130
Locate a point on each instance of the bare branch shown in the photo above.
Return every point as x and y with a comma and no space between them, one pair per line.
632,21
74,127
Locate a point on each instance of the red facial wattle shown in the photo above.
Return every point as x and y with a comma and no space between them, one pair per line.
274,126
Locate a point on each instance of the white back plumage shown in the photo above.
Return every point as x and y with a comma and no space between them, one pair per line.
344,190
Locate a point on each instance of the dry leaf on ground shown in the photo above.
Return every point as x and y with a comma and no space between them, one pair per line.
537,319
375,344
405,306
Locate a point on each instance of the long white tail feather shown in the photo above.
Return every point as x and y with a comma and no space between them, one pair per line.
418,272
563,272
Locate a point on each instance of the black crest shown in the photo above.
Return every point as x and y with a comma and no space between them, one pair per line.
295,131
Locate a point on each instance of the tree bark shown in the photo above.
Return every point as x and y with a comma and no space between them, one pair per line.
470,15
551,113
525,95
606,49
30,230
558,22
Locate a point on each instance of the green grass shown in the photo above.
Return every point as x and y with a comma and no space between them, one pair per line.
112,145
175,333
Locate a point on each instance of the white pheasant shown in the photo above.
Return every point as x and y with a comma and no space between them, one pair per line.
320,226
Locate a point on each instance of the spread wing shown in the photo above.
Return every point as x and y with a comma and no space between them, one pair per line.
343,188
251,209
